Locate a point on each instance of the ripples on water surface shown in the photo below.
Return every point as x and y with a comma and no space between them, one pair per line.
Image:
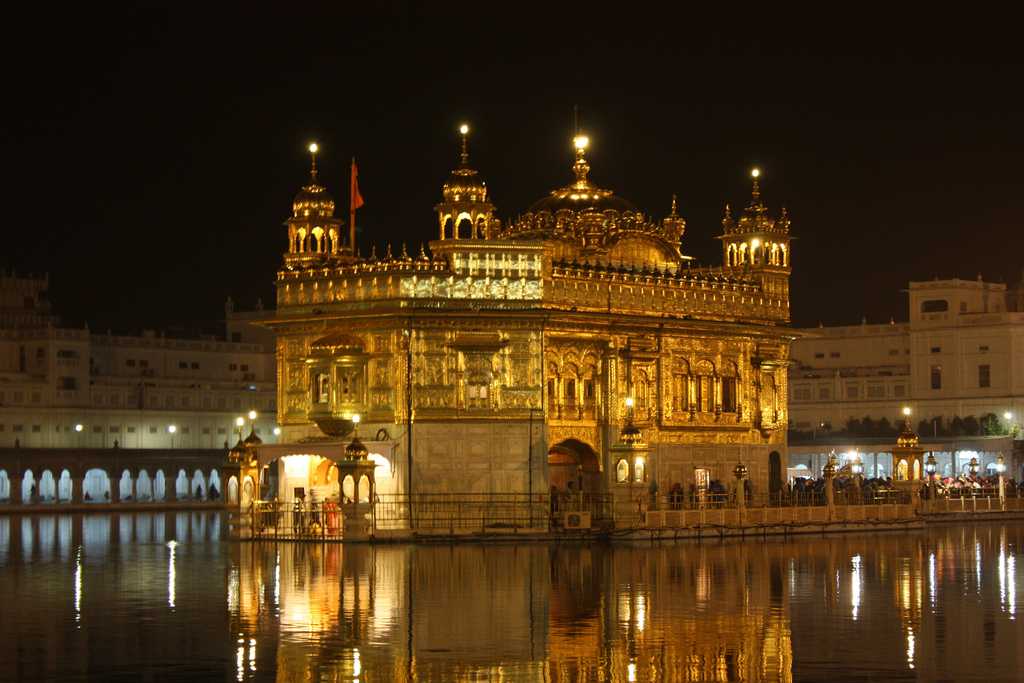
162,597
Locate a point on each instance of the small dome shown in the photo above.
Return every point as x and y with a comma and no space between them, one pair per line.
355,450
313,201
465,185
252,439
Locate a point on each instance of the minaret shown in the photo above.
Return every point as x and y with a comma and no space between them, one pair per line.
465,211
314,234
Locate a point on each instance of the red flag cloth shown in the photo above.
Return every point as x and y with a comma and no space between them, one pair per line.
357,199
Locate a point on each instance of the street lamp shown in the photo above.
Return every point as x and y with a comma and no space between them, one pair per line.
171,429
1000,469
253,414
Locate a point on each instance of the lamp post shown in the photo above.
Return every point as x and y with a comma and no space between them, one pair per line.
857,469
929,467
1000,469
239,423
740,472
829,472
172,429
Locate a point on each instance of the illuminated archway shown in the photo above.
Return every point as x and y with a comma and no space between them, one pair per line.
574,462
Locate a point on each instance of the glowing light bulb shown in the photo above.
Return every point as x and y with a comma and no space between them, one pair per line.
171,429
906,410
79,428
277,431
755,243
629,401
239,421
464,128
581,142
356,418
313,148
755,173
252,414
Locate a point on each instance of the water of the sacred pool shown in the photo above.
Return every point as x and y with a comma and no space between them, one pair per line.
165,597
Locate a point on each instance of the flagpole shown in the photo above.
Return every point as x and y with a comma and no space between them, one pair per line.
352,208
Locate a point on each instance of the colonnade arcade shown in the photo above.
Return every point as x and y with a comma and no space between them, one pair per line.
60,476
755,253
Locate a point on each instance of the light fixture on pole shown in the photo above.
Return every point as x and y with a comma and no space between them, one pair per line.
1000,469
172,430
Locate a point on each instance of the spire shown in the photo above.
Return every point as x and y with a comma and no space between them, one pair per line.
755,193
675,207
313,149
581,168
464,156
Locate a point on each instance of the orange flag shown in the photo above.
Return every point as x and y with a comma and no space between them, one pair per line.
356,202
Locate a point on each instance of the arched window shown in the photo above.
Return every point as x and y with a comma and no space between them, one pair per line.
704,387
641,391
681,386
639,470
729,384
622,471
322,388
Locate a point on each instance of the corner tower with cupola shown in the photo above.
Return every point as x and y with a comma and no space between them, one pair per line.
757,243
465,212
314,234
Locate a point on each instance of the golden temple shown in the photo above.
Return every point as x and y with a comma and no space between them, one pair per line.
508,357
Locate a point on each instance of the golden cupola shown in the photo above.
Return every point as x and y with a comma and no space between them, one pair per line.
589,224
314,234
465,212
756,239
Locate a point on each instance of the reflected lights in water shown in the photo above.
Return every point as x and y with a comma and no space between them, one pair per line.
171,578
910,647
78,584
855,583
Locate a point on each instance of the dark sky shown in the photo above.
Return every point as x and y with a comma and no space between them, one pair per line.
152,153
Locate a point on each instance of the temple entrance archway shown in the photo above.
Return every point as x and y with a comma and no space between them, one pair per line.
573,465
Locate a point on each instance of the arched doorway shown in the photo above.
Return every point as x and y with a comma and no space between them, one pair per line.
774,472
96,486
573,465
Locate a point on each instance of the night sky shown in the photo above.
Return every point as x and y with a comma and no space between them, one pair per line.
152,154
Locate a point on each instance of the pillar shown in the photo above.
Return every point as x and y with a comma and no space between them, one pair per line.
115,487
170,488
16,482
77,490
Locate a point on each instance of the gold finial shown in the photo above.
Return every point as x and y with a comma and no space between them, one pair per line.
755,194
387,254
581,168
464,132
405,254
675,207
423,252
313,149
373,252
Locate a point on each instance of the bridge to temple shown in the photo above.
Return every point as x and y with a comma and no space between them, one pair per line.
83,476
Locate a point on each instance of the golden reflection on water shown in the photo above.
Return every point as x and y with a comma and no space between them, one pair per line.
932,605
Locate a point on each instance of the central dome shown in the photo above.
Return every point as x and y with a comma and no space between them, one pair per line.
582,195
586,198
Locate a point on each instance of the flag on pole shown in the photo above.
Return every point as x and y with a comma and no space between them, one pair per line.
356,200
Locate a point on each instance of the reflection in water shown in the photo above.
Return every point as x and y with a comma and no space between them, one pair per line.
191,606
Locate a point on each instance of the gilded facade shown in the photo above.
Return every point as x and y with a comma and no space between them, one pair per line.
506,352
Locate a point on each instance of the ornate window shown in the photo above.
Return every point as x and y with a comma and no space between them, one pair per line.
622,471
570,392
639,470
681,386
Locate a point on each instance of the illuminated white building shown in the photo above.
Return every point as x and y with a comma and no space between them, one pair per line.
961,354
65,387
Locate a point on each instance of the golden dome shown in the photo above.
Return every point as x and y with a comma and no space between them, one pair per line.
464,185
